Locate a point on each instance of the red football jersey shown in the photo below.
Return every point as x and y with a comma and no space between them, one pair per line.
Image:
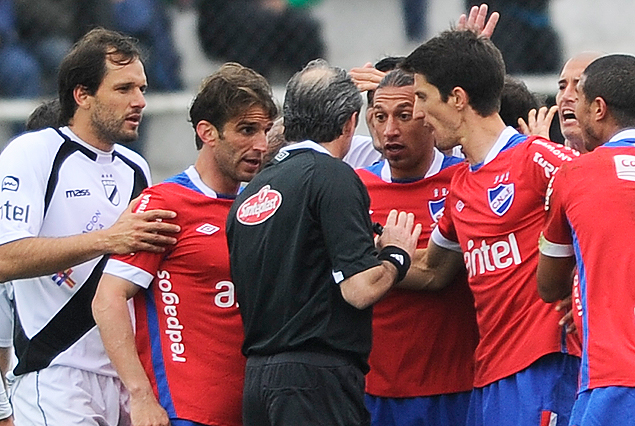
188,327
495,212
591,211
423,342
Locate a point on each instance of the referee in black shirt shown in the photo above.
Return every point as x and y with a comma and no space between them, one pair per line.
305,267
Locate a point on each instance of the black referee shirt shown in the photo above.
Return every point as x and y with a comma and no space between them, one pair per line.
297,230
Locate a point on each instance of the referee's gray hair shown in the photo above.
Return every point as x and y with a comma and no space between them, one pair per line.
319,100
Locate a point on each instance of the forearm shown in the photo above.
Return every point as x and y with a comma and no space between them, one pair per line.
432,271
37,256
367,287
115,327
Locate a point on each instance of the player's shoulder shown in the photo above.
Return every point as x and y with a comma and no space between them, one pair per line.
131,155
537,144
42,144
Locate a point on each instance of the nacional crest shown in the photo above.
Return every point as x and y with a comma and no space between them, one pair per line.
110,186
436,209
501,198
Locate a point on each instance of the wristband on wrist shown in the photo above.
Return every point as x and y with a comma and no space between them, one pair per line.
398,257
5,406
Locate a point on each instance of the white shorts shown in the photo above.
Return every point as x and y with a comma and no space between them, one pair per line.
60,396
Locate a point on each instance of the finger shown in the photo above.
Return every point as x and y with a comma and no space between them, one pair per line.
133,204
480,17
153,215
416,232
462,24
410,221
471,18
491,25
161,228
402,220
550,115
531,119
391,220
523,127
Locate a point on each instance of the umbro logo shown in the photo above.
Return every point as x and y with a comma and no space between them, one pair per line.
397,257
207,229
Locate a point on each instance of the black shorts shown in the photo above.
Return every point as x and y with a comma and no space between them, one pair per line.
303,388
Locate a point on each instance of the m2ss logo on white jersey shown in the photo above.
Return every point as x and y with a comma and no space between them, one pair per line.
10,183
501,198
110,186
259,207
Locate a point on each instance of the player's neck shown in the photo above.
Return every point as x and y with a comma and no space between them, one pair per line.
482,134
214,178
84,131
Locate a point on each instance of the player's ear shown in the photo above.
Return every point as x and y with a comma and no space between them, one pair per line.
599,108
459,98
207,132
82,97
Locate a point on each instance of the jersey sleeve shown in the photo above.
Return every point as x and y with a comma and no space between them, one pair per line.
444,234
141,267
556,237
342,205
24,176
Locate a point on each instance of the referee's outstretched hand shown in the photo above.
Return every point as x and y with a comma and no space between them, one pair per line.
400,231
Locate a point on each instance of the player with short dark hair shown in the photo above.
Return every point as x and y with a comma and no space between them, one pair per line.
524,373
584,193
64,196
186,367
422,360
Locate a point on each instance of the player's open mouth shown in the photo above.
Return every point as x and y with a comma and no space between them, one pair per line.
568,115
134,119
253,162
393,147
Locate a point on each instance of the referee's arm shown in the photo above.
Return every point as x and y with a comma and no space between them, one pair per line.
367,287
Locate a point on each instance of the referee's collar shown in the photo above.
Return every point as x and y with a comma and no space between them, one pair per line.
306,145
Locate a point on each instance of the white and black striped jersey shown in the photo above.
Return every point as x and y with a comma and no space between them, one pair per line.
56,185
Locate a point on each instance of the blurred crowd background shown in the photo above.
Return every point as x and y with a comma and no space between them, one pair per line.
185,40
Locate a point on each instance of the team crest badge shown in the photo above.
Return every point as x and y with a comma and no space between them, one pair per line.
110,186
259,207
436,209
501,198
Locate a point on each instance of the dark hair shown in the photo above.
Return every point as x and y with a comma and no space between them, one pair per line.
457,58
517,101
85,64
397,78
47,114
386,64
227,94
318,102
612,78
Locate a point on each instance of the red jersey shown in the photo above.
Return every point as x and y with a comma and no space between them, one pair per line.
494,214
423,342
188,327
591,215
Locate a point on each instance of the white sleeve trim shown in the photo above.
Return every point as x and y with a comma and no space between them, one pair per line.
550,249
128,272
441,241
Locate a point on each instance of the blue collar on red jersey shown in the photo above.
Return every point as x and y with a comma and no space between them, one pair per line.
514,140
